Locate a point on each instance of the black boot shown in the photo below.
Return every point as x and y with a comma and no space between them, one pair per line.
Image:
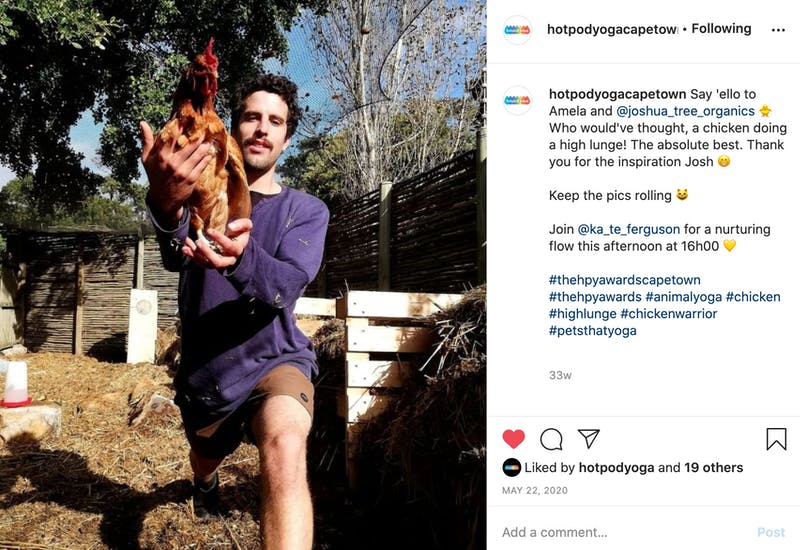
205,498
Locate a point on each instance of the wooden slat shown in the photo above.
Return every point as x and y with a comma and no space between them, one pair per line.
352,324
364,373
394,305
389,339
362,406
309,326
324,307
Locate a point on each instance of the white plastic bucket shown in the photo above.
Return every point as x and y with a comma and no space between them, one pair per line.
16,392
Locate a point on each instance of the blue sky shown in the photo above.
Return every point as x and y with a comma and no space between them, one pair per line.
5,175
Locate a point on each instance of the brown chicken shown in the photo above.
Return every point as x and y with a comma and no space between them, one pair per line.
221,192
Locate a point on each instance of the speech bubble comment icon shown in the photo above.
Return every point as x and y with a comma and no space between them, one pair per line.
551,439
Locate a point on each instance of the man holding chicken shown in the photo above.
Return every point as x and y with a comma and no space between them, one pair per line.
245,366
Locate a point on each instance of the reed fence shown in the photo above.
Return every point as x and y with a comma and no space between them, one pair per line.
72,288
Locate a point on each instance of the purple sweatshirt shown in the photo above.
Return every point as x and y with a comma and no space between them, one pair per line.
236,325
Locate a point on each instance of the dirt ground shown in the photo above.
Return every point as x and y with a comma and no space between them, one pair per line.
104,484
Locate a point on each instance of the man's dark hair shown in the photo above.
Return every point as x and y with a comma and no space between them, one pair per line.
271,83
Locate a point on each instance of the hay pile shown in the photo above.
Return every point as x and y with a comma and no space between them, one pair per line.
168,347
109,481
329,344
104,483
422,462
326,443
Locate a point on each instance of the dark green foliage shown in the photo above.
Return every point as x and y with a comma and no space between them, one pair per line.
121,59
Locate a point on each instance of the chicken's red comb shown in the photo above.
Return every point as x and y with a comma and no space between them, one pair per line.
210,57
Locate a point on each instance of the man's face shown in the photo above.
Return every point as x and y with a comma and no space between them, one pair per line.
261,130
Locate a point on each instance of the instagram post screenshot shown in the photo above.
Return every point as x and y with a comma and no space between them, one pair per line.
642,190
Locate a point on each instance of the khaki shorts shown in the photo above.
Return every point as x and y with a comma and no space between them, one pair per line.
223,437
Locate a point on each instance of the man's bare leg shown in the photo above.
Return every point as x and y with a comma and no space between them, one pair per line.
281,426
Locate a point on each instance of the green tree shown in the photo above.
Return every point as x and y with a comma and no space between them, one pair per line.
59,58
72,21
318,167
113,206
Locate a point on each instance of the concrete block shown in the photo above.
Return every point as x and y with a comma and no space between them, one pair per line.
35,421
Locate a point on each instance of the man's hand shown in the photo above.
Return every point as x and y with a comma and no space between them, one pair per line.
232,245
172,172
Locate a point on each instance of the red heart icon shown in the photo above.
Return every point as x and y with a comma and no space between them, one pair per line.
513,437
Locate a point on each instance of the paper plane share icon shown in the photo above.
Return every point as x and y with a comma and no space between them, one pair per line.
589,436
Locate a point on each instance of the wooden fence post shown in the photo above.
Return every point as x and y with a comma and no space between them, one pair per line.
11,313
480,182
384,237
139,270
322,275
77,336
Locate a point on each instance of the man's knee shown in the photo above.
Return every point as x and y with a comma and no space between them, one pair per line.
287,443
283,460
282,434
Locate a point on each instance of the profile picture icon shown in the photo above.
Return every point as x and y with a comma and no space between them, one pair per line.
512,467
517,100
517,30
